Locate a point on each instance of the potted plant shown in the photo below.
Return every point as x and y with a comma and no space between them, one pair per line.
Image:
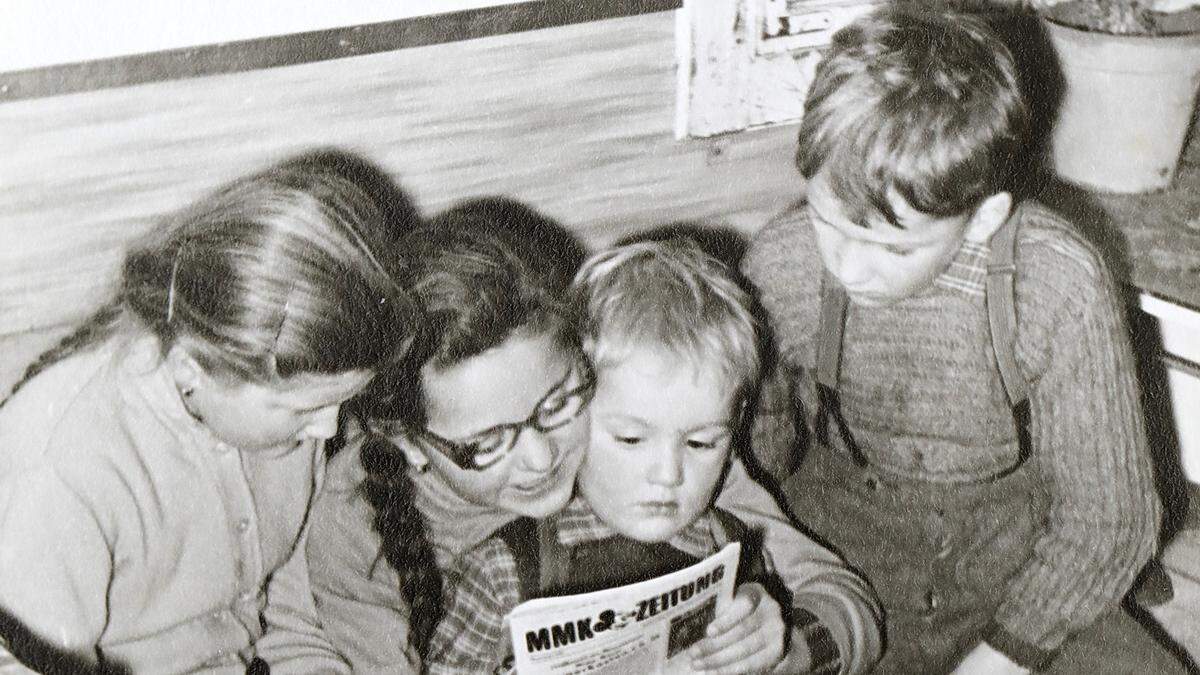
1131,69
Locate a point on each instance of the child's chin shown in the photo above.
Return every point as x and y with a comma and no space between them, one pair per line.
546,506
651,533
873,300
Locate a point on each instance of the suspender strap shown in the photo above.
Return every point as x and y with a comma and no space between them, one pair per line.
830,331
541,559
1002,310
521,538
554,558
1000,298
751,565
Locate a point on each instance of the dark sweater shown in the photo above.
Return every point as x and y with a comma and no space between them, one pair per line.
922,397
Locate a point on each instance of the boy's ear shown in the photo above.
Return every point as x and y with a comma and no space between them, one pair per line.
588,343
989,216
185,370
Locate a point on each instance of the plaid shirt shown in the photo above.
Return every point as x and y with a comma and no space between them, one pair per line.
473,635
968,269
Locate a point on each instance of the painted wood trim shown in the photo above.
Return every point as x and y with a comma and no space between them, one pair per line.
1171,310
321,45
735,82
1182,365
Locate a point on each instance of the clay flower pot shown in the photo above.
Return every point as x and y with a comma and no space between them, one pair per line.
1126,108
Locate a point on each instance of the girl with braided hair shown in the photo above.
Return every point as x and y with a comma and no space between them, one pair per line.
402,501
158,464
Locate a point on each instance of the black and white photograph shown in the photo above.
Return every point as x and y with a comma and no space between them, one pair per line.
524,337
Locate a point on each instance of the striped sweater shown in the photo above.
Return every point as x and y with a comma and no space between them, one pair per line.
922,397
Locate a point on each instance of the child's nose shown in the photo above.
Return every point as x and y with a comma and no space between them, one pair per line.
667,468
324,423
536,450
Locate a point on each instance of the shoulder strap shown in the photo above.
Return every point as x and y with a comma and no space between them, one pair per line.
830,330
554,559
521,537
732,527
1002,309
752,566
543,563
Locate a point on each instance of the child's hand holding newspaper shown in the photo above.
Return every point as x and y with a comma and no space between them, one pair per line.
747,636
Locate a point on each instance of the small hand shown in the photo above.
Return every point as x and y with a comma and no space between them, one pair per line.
748,636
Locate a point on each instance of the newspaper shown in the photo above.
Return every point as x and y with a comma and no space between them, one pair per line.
640,628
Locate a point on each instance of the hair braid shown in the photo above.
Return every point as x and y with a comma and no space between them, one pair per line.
406,546
98,326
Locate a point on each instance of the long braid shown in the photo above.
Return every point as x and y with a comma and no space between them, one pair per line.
479,279
406,545
98,326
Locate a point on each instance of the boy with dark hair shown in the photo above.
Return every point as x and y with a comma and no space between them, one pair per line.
975,442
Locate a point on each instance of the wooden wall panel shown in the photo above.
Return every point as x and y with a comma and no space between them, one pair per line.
576,120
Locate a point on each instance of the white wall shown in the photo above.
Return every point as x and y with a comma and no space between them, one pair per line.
1180,327
36,33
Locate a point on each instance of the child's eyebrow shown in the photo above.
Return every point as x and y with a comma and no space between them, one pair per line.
722,426
623,417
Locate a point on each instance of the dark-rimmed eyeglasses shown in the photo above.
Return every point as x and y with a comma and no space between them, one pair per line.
557,408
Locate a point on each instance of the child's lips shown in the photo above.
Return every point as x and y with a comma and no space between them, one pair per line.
547,481
660,507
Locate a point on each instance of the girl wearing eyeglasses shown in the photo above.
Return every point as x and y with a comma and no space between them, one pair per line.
488,424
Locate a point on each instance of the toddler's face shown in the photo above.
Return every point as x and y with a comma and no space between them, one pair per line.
880,264
661,432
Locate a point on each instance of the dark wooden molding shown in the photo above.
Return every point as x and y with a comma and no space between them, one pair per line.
334,43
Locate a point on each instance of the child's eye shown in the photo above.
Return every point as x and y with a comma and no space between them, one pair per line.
484,458
627,440
697,444
486,450
553,404
307,413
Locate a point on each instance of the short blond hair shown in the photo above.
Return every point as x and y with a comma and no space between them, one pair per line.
671,295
